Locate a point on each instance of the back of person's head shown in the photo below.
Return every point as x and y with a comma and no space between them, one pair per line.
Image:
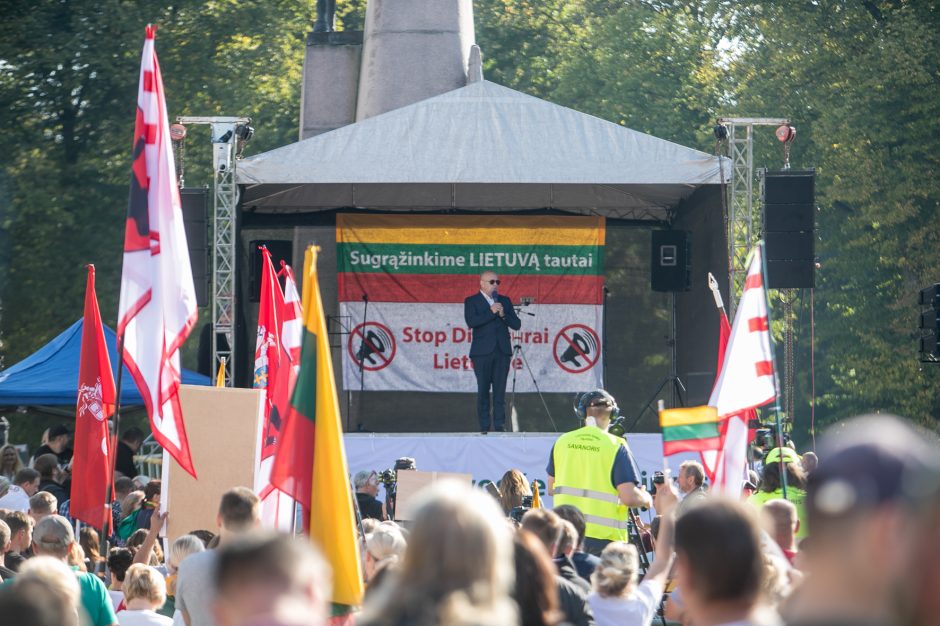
458,564
616,574
718,555
152,490
88,540
42,503
271,575
181,548
137,539
205,536
695,470
46,465
123,486
770,476
239,509
573,514
809,462
119,559
142,582
50,580
369,524
30,606
568,539
780,520
535,591
53,536
512,487
365,478
25,476
133,435
131,502
545,525
386,544
17,521
5,535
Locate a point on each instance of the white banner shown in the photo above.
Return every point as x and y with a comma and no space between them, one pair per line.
425,347
488,457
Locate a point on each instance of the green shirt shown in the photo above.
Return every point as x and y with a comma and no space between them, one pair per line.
794,495
95,599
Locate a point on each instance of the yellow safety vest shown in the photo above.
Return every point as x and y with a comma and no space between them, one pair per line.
583,460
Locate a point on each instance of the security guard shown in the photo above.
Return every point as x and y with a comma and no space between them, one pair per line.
593,470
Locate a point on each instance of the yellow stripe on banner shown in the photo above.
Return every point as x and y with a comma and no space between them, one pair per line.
688,417
471,229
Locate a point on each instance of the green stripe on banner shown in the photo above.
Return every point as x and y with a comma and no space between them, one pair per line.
304,397
692,431
395,258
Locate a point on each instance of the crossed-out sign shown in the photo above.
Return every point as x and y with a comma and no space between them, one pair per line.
371,345
576,348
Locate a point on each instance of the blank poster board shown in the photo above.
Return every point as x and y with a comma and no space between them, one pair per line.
410,482
222,427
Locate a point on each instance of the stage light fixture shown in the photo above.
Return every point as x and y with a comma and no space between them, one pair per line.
244,132
785,133
225,138
177,132
721,132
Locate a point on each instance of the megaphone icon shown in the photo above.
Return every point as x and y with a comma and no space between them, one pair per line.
571,354
369,346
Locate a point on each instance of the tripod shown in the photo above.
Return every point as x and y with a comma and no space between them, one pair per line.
517,349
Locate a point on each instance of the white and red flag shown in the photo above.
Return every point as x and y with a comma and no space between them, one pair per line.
158,300
745,381
91,464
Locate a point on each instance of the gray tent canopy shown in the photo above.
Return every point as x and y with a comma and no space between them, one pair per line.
480,147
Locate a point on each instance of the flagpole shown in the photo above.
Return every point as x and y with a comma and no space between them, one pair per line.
778,422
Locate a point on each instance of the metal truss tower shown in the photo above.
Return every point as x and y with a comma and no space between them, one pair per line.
226,132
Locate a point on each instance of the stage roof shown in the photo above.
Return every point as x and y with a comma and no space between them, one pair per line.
480,147
49,376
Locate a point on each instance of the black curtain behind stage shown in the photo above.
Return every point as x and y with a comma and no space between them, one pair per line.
639,328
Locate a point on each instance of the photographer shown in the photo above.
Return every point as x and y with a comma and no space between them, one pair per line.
367,488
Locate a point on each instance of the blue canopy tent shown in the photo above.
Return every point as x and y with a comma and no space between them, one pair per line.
49,376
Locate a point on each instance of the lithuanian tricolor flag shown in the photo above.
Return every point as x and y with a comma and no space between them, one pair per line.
310,464
689,430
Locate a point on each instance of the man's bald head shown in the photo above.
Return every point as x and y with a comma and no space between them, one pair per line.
489,281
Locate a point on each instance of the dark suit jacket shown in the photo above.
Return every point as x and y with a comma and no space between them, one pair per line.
490,332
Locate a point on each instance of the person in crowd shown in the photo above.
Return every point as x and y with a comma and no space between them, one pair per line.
567,542
490,315
719,565
535,591
691,483
512,487
384,548
239,513
127,447
207,537
119,560
151,502
10,461
123,486
25,484
584,563
144,593
271,579
51,581
809,462
141,481
4,486
5,533
57,445
41,504
617,599
368,525
593,470
869,505
772,489
367,488
181,548
30,605
21,538
457,567
53,537
50,477
780,521
130,507
146,552
547,526
88,540
751,484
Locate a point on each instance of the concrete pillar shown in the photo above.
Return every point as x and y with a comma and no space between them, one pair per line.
331,82
413,50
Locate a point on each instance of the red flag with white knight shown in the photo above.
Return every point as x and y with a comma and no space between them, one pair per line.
746,379
158,300
91,463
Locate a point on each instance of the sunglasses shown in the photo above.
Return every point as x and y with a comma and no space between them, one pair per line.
492,282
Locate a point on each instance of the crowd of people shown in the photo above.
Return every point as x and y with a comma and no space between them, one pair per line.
856,541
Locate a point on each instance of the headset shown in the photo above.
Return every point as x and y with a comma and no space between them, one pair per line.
584,400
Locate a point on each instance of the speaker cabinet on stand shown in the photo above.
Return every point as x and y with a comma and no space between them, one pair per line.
789,228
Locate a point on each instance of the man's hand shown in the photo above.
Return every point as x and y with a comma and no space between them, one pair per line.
666,498
497,309
157,520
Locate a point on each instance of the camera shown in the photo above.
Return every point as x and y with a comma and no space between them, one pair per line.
518,511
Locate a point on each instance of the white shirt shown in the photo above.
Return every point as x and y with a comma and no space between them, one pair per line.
15,500
637,609
143,618
488,299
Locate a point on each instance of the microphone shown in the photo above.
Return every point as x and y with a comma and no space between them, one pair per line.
496,299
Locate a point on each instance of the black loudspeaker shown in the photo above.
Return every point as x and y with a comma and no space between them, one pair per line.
670,261
789,224
280,251
194,202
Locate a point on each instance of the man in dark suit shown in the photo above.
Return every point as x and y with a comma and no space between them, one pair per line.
490,316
